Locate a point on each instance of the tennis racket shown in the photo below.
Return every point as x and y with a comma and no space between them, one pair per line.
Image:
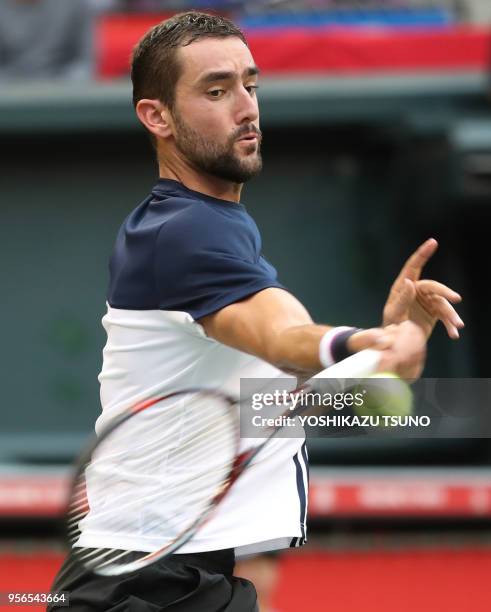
163,466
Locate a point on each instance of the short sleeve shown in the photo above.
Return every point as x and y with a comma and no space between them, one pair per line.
206,262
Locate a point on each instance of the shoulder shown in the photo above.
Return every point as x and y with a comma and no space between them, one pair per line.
173,213
207,227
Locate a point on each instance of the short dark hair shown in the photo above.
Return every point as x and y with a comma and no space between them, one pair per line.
155,69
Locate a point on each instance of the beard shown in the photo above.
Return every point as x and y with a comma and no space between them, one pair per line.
219,160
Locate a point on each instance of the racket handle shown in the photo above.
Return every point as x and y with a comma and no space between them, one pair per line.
359,365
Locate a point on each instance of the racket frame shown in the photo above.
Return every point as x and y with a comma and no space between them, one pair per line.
360,365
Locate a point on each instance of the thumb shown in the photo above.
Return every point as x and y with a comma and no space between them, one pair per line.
402,301
408,292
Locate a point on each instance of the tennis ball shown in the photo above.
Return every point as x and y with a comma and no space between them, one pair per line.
384,394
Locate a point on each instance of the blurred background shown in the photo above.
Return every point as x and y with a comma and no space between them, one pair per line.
383,109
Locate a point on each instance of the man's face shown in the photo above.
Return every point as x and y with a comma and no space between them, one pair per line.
216,113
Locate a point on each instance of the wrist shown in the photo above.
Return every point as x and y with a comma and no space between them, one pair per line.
334,346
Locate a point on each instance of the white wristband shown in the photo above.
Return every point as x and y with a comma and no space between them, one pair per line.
325,354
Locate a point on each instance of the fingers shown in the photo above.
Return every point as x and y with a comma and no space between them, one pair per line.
441,309
414,265
426,287
437,299
422,301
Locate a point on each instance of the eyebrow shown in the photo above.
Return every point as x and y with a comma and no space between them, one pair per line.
224,75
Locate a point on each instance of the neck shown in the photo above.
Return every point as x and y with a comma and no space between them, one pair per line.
200,181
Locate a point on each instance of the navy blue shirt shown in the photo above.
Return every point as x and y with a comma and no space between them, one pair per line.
187,251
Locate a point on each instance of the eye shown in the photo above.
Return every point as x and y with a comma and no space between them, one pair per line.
216,93
252,89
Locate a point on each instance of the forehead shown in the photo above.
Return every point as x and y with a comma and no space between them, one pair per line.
213,54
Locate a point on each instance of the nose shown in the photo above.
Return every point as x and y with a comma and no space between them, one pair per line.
247,109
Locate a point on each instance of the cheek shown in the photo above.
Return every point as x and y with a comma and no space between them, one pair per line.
215,121
207,117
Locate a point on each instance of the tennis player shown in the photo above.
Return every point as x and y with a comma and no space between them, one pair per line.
192,302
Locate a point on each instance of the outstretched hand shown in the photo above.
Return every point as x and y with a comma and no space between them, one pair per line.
422,301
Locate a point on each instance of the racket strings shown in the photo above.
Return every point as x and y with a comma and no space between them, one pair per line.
78,510
98,558
193,496
198,497
157,488
191,447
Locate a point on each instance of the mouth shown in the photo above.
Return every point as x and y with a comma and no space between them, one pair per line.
251,137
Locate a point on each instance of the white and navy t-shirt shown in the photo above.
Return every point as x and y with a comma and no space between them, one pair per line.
179,256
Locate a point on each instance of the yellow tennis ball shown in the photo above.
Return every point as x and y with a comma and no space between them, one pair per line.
384,394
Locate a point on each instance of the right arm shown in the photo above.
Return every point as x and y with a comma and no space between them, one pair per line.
273,325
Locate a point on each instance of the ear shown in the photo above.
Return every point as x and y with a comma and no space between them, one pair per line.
155,117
